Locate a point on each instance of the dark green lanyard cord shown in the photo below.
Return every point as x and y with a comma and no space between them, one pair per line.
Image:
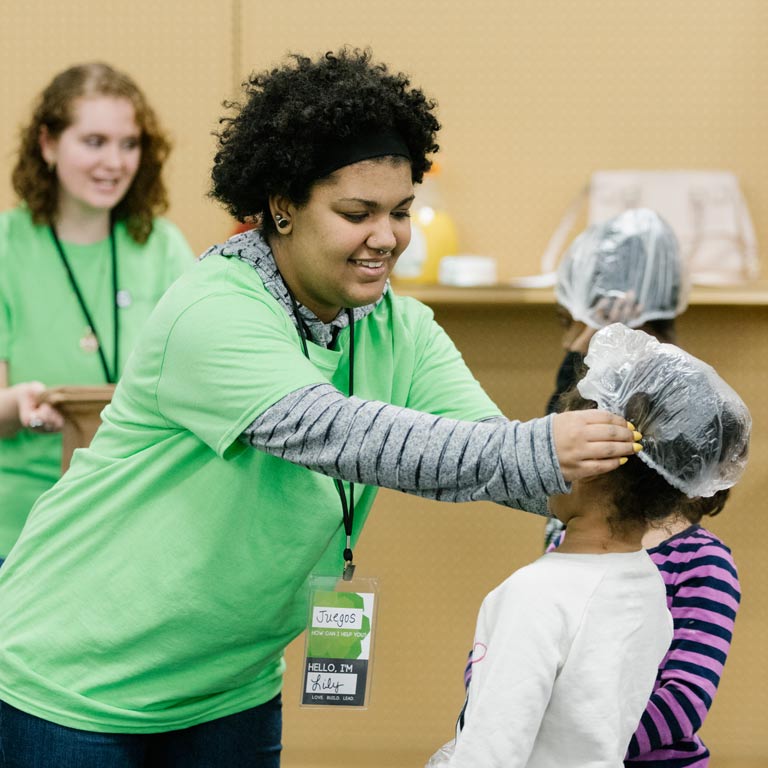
110,376
347,507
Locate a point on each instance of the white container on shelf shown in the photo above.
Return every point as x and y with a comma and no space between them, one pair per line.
467,270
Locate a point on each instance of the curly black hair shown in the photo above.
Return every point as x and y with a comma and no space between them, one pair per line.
270,146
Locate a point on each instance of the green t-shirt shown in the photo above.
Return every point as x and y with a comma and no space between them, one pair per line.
41,325
157,584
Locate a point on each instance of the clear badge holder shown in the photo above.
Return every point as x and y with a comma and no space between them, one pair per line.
338,651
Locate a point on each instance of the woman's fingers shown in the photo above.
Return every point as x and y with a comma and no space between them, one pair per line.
28,398
39,417
579,339
592,442
45,418
624,308
610,437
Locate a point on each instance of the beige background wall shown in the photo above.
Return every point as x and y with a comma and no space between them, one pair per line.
534,95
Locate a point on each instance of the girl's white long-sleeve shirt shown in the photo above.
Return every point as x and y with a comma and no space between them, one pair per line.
565,656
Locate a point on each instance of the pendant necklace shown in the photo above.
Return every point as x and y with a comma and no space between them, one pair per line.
90,341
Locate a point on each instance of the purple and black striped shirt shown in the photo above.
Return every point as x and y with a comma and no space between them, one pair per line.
703,596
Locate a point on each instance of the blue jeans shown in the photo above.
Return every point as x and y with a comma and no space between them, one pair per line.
249,739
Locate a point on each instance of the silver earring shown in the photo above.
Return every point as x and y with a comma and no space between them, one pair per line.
281,221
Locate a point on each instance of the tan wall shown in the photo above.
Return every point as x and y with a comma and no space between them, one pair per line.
534,95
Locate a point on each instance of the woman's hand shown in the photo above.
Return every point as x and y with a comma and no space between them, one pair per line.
592,442
34,415
610,309
20,408
576,338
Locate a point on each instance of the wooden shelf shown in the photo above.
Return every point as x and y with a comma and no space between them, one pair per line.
753,294
497,294
749,294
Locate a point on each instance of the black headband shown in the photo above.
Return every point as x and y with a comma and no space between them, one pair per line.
337,153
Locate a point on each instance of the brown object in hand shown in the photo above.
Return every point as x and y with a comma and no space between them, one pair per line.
81,408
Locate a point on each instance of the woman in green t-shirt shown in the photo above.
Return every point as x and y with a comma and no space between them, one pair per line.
277,385
83,260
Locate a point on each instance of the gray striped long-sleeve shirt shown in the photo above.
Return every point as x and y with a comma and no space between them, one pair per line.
375,443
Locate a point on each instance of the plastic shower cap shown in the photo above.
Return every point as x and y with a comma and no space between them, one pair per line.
627,269
695,427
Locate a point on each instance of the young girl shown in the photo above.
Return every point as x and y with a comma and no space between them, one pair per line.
703,596
566,650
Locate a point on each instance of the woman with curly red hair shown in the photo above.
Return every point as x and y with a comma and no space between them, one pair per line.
83,260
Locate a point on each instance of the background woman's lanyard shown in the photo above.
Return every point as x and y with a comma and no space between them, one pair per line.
110,376
347,507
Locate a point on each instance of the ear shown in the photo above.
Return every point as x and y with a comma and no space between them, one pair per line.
282,209
48,146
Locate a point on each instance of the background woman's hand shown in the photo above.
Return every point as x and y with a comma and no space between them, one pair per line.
34,415
592,442
609,309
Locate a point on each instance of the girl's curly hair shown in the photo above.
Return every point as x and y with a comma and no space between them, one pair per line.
640,495
271,144
37,185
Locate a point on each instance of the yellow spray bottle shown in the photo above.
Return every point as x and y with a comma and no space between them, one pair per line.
433,235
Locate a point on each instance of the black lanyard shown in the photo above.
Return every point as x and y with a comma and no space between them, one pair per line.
347,506
110,376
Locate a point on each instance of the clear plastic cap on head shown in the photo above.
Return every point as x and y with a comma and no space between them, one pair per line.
627,270
695,427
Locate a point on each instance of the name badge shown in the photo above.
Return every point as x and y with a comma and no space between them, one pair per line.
338,652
